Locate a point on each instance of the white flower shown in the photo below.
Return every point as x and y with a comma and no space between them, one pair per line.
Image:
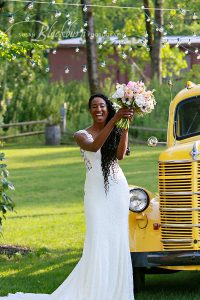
119,92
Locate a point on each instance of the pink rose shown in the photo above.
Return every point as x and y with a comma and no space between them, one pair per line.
131,85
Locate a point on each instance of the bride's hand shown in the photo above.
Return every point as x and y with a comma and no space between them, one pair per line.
124,113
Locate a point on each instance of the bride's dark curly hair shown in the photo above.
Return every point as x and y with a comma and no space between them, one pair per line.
109,148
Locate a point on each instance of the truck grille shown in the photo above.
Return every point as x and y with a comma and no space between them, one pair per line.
179,184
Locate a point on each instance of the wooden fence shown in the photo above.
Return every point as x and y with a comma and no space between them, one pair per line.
18,124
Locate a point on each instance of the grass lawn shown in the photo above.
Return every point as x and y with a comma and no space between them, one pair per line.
50,220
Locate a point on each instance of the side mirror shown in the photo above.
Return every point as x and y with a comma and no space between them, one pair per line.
153,142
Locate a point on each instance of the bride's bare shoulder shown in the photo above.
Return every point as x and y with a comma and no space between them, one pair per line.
80,134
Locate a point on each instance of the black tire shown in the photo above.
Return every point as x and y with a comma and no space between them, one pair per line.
138,279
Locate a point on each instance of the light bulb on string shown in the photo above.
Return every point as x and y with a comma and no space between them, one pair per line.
54,51
146,34
66,70
53,2
114,1
130,49
194,17
189,42
100,46
103,64
77,50
119,46
84,68
27,18
57,14
67,16
30,6
105,31
186,51
177,45
69,22
104,42
85,24
142,7
47,69
196,50
92,36
183,11
152,22
81,30
124,36
33,63
85,8
124,56
11,19
148,49
171,26
148,19
14,57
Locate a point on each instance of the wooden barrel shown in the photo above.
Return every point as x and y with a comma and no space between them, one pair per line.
52,135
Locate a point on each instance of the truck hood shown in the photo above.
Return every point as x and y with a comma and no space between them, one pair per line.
180,152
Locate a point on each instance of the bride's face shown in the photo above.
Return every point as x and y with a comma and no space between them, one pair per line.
99,110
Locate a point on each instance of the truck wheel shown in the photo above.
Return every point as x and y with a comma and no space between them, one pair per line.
138,279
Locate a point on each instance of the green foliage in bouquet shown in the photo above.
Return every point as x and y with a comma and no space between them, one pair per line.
6,203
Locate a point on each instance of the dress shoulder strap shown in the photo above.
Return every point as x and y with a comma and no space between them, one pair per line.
89,136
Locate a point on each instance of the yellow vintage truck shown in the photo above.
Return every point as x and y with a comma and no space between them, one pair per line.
164,228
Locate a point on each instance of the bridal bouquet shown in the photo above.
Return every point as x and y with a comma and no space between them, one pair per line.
134,95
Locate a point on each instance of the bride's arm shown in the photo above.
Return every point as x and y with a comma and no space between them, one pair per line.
123,144
98,142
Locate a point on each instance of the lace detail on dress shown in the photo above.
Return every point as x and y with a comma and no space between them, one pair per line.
83,154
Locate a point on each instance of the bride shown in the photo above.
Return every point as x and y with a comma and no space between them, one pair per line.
104,271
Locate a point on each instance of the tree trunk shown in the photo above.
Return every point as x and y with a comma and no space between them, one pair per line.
92,61
155,39
157,65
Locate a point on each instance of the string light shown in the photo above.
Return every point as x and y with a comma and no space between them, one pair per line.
30,5
198,57
54,51
103,64
58,14
27,18
100,46
124,56
77,50
105,31
11,19
196,50
84,68
85,24
47,69
194,17
171,26
85,8
66,70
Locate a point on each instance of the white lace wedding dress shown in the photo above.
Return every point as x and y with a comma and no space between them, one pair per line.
104,271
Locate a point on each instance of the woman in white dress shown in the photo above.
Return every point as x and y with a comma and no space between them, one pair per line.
104,271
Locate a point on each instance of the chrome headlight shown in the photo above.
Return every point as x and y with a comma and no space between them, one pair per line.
139,200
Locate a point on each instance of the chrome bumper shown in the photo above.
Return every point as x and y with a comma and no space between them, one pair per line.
165,258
